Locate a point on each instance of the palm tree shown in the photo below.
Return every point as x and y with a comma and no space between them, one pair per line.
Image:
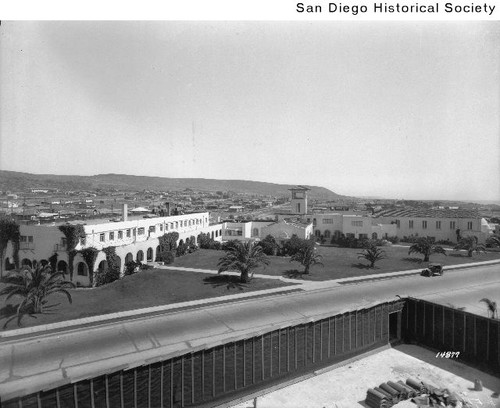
492,307
494,241
306,255
470,244
34,286
242,257
426,247
372,254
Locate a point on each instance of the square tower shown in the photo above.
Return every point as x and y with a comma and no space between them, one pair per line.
299,200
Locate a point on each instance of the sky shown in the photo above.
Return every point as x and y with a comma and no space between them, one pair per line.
403,109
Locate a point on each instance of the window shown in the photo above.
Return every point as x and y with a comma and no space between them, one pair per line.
120,234
101,237
23,238
111,236
30,238
140,231
81,269
452,225
410,224
356,223
128,233
438,224
327,220
161,227
469,225
398,223
152,228
424,224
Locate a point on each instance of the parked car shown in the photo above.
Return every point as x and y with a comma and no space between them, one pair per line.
433,270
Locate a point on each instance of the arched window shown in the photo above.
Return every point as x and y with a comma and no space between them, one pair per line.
82,269
62,266
317,233
327,234
140,256
150,254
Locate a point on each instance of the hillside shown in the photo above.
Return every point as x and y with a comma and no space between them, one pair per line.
15,181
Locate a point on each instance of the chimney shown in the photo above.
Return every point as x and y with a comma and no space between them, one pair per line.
124,211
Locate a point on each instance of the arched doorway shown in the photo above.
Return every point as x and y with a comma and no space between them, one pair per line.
82,269
157,258
103,265
374,235
140,256
129,258
317,233
26,262
149,254
62,266
328,234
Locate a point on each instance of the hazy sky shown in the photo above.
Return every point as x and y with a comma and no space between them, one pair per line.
401,110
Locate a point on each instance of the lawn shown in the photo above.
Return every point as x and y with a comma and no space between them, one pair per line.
338,262
147,288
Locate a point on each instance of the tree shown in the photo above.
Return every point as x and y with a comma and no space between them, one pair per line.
493,241
34,286
307,257
269,245
372,254
470,244
9,231
294,244
492,307
243,257
426,247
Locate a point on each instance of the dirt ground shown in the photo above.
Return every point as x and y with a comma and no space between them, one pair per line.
345,387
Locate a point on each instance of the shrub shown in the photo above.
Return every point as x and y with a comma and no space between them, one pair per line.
269,245
132,267
444,242
168,257
393,240
108,275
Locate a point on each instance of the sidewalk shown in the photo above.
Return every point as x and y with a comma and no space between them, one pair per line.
300,285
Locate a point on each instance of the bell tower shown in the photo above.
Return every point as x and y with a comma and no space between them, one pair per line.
299,200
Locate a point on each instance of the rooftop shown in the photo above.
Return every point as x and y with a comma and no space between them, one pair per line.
428,213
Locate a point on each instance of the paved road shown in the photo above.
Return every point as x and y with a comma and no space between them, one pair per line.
44,361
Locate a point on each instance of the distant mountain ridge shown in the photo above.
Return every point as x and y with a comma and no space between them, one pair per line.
13,181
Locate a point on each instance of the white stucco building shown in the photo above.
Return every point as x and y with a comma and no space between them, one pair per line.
134,238
441,224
